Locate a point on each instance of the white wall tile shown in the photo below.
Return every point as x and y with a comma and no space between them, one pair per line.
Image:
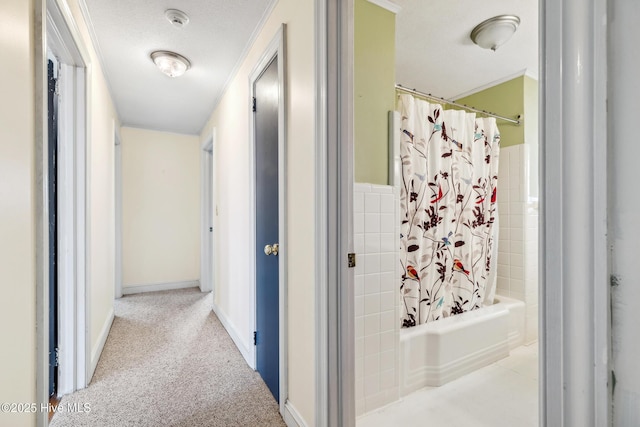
382,189
376,294
358,243
372,203
359,350
372,243
371,283
358,202
371,384
387,223
387,301
359,326
387,359
388,262
371,223
388,282
388,341
387,379
371,263
388,242
371,367
387,203
372,304
358,285
371,345
358,306
361,188
372,324
359,367
387,321
358,222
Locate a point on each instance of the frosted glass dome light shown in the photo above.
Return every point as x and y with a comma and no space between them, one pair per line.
494,32
170,63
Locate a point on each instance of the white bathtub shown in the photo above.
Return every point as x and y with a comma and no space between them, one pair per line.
438,352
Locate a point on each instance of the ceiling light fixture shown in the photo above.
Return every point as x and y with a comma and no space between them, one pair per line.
177,17
170,63
494,32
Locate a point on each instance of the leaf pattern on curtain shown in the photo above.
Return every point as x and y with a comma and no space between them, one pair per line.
448,210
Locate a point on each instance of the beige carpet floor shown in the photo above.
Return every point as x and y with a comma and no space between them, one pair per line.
168,361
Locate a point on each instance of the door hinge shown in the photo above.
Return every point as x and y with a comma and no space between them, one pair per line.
351,259
56,361
255,338
253,108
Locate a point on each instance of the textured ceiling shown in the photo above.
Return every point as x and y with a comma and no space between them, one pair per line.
434,53
127,31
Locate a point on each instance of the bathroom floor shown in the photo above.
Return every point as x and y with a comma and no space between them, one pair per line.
502,394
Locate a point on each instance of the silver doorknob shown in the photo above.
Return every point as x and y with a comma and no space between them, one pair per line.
271,249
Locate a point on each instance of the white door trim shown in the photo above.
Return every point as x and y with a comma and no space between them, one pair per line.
207,213
575,324
574,332
117,140
334,226
277,47
56,31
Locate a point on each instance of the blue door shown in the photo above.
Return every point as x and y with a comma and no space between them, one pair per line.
267,300
52,104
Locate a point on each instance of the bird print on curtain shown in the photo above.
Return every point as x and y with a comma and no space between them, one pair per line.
448,210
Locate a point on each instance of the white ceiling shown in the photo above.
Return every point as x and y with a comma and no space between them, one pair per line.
434,53
127,31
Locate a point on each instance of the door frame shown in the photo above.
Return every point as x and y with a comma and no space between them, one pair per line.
574,364
117,141
277,47
208,214
56,30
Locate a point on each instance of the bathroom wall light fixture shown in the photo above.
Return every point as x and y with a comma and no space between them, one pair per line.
170,63
494,32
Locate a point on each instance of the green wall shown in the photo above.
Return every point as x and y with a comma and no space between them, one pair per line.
374,87
505,99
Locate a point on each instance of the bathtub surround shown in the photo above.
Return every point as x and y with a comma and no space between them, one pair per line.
436,353
377,323
484,393
518,241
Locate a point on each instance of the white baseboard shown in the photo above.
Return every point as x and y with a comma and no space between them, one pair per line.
247,353
102,339
154,287
291,416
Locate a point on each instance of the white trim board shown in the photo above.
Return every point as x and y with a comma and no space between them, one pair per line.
388,5
96,352
246,350
96,46
208,217
56,30
155,287
291,416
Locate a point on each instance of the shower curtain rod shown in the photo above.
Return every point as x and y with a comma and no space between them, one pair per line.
447,101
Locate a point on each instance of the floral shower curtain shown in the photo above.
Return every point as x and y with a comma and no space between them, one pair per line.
448,210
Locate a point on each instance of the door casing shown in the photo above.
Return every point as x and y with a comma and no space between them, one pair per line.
575,314
208,214
57,32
